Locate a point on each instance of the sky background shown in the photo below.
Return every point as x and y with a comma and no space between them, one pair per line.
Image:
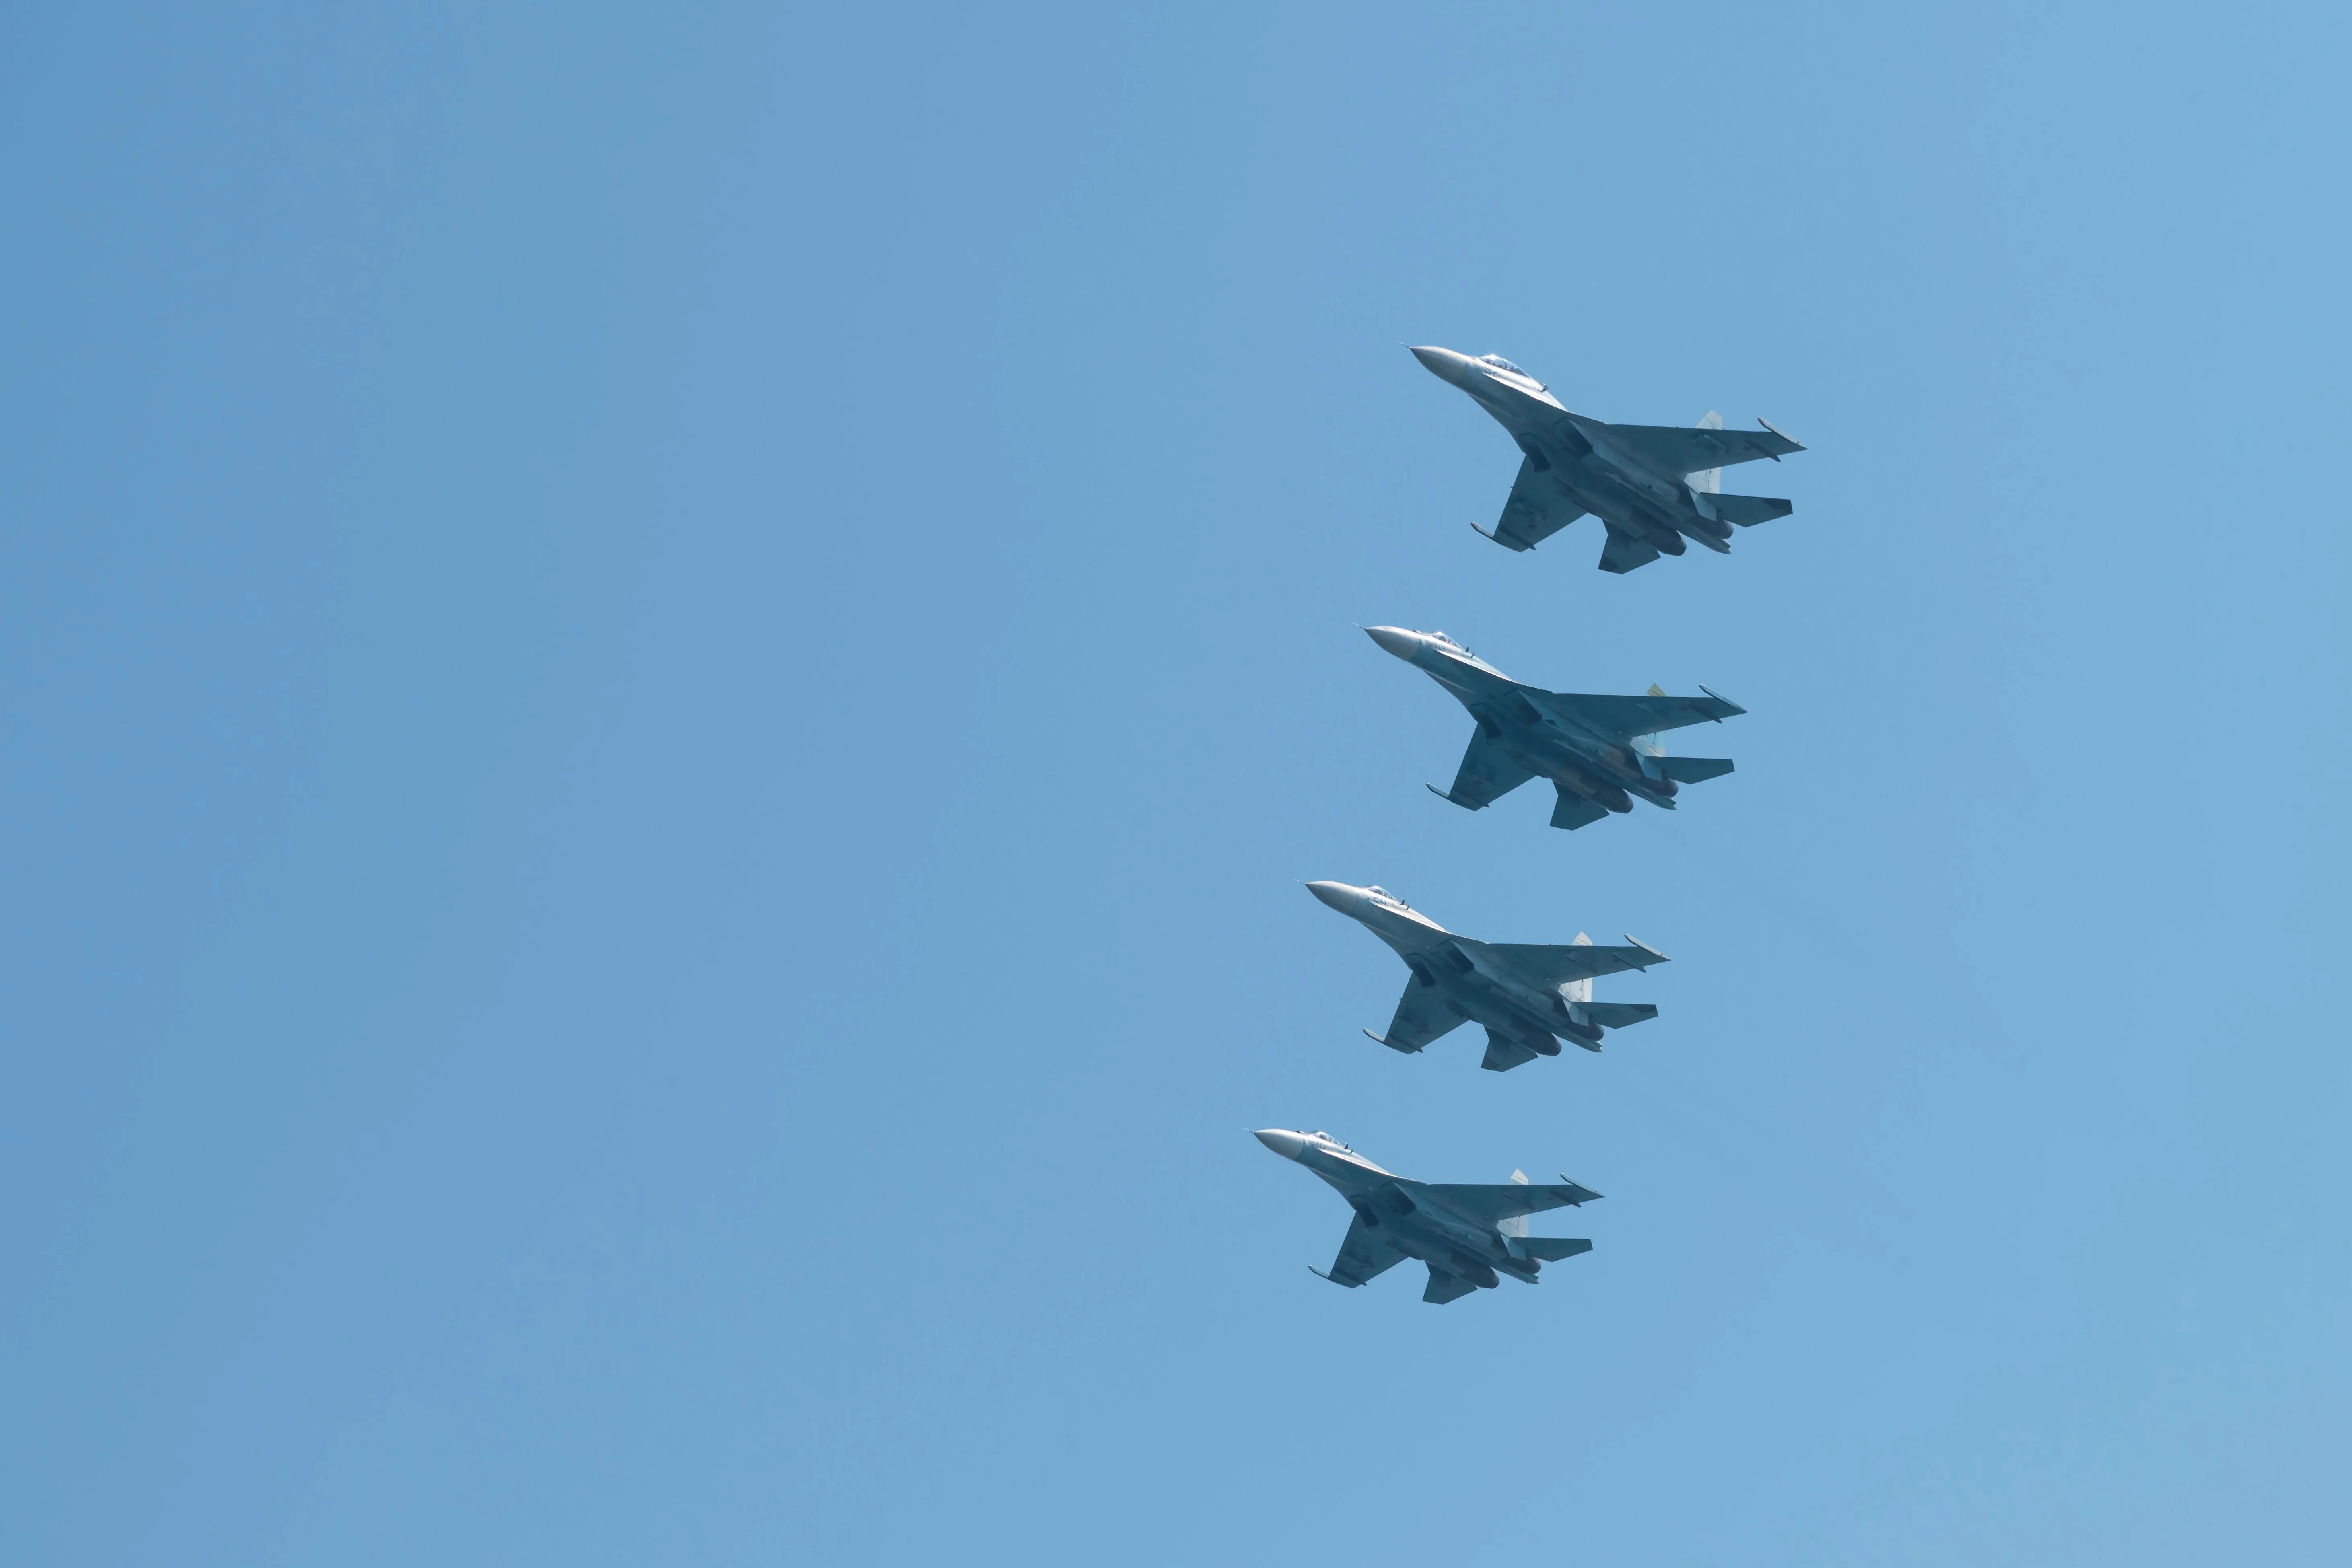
665,675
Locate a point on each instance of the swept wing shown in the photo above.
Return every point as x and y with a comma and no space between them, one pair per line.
1672,449
1487,773
1551,964
1420,1017
1626,718
1493,1202
1363,1255
1536,511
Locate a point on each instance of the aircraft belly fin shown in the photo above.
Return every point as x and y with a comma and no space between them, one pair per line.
1618,1015
1505,1051
1572,810
1623,552
1552,1248
1445,1287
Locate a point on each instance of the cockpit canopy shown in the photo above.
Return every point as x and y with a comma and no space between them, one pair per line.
1329,1139
1452,645
1376,890
1501,363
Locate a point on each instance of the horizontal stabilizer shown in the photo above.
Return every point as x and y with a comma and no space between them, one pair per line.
1690,769
1750,510
1552,1248
1617,1015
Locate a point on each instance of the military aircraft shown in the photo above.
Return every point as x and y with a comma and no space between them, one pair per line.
1524,994
1467,1234
1599,752
1652,486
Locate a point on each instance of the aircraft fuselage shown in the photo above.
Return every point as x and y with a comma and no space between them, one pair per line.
1411,1218
1611,482
1547,743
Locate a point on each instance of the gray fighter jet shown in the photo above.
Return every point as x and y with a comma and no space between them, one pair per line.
1652,485
1523,993
1467,1234
1599,752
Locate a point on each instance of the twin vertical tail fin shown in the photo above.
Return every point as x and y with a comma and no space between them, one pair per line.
1518,1224
1707,480
1579,990
1650,745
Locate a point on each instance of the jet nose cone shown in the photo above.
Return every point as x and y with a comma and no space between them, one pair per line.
1443,363
1338,894
1404,644
1287,1144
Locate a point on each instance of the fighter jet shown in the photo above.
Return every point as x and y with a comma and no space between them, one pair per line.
1467,1234
1524,994
1652,485
1597,751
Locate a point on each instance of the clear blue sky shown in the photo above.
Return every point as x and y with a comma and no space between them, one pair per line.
666,677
